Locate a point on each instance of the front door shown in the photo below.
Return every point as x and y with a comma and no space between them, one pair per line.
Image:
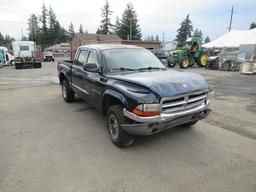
92,82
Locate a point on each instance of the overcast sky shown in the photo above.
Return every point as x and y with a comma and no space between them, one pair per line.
155,16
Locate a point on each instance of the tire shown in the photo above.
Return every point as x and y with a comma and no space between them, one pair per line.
18,65
190,124
184,63
67,94
37,65
171,62
118,136
202,60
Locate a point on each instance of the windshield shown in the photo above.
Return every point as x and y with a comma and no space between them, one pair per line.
24,48
131,59
47,53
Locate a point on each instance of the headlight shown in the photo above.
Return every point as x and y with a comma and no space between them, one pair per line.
147,110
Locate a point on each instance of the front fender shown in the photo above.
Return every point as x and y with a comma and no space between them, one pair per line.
114,94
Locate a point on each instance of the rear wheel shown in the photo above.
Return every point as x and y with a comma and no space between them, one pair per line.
171,62
184,64
67,94
115,119
202,60
37,65
18,65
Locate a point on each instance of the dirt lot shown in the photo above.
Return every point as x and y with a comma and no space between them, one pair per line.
49,145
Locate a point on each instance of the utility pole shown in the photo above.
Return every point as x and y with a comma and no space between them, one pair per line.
163,41
231,19
21,34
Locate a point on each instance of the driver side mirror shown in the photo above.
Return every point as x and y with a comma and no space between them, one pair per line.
92,67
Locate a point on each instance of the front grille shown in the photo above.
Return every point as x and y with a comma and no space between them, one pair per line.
183,102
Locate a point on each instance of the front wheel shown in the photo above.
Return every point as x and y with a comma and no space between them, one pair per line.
184,64
115,119
202,60
67,94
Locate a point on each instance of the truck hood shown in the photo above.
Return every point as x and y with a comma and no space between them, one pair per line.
165,83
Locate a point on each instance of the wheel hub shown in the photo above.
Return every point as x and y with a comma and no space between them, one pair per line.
64,91
204,59
113,126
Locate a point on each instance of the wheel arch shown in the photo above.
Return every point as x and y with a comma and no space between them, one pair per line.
111,98
62,77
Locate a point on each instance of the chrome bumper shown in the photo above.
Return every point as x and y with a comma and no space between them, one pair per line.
165,116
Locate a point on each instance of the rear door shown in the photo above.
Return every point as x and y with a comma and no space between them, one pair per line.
78,73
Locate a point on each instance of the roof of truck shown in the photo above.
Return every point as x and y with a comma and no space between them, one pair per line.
109,46
24,42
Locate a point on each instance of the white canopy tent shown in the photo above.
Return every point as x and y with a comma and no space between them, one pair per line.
234,38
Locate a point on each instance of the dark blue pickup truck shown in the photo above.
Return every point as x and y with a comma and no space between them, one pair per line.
134,90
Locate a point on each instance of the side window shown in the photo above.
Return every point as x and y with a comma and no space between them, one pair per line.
82,57
93,58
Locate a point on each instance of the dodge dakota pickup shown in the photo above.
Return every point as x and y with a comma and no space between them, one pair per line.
135,91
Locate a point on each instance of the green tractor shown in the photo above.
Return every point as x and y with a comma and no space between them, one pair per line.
190,54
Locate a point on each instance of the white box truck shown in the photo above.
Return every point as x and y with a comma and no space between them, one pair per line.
24,53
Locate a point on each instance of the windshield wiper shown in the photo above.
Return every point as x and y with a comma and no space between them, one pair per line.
150,68
122,69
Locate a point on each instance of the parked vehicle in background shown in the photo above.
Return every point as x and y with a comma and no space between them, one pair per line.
48,56
190,54
164,55
24,53
5,57
134,90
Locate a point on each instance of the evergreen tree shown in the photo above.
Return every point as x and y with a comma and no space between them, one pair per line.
6,40
44,29
184,32
157,38
253,25
71,31
105,27
62,35
198,33
152,38
81,30
117,26
33,28
129,24
53,26
207,39
1,37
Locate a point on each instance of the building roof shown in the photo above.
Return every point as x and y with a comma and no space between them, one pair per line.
97,37
234,38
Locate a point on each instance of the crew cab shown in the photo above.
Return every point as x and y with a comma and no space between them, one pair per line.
134,90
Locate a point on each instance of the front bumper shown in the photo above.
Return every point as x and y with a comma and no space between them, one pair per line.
155,124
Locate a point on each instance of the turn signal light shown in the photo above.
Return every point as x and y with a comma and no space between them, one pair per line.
145,113
147,110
